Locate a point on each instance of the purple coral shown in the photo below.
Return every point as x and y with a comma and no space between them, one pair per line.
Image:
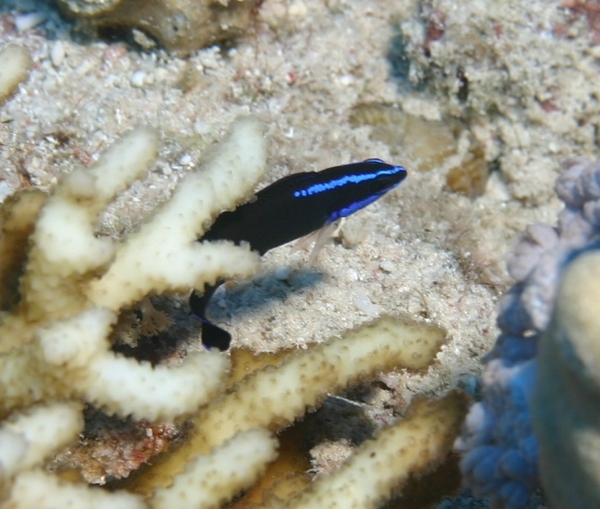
498,445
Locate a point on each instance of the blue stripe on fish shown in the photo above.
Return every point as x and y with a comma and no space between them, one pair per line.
323,187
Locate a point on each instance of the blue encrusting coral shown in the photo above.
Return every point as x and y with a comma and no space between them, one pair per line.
499,447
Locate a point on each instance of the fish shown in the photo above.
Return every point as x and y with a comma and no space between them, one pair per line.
290,208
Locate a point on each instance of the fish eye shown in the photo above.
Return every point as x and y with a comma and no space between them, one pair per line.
374,160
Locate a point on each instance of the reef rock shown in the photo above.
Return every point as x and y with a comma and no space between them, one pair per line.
180,26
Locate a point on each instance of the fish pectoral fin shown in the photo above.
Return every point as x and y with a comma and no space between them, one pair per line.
319,237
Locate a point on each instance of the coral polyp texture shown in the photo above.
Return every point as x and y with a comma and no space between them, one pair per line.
379,466
303,380
540,385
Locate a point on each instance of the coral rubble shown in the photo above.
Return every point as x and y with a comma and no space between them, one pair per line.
428,143
523,88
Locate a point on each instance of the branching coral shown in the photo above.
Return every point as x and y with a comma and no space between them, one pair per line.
379,466
54,340
67,308
18,214
28,438
63,287
209,480
38,489
273,397
200,196
499,445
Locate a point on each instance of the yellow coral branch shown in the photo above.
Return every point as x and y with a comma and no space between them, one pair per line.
413,446
273,397
210,480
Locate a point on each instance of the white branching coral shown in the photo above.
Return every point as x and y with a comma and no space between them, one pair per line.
55,341
181,262
62,290
64,235
28,438
44,491
77,348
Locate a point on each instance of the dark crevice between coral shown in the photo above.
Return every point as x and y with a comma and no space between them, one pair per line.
154,331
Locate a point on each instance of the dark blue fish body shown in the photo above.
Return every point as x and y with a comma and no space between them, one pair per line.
293,207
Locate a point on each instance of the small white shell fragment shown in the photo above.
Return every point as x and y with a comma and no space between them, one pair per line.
298,9
201,127
346,80
387,266
26,21
362,302
351,275
185,160
138,79
85,66
57,53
